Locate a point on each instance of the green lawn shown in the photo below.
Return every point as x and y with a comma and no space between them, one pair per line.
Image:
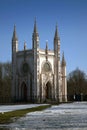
7,117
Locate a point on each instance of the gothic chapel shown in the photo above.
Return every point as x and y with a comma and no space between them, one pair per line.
38,75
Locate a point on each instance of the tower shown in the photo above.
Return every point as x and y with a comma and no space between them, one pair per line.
36,76
57,69
14,51
64,80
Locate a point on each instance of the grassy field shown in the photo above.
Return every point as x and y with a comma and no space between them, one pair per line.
7,117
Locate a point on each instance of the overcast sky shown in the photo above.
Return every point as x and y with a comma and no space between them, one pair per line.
69,15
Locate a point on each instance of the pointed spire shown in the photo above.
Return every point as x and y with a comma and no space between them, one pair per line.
35,27
46,45
35,32
14,34
25,46
46,50
63,60
56,32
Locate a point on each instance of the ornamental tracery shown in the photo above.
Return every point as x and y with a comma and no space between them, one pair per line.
46,67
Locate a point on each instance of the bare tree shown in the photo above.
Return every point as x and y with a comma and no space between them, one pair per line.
5,82
77,85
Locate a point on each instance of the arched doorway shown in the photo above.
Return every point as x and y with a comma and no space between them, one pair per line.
23,92
48,91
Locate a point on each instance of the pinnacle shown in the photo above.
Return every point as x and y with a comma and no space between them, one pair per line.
46,45
14,34
63,60
35,27
56,32
24,45
35,32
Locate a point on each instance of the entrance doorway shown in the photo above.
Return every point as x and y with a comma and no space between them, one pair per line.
48,91
24,92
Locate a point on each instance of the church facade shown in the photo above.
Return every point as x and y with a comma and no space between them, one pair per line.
38,75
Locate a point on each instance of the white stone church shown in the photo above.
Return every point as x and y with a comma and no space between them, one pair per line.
38,75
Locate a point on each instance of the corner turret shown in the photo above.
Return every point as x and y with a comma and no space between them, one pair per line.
35,48
64,79
57,66
14,61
